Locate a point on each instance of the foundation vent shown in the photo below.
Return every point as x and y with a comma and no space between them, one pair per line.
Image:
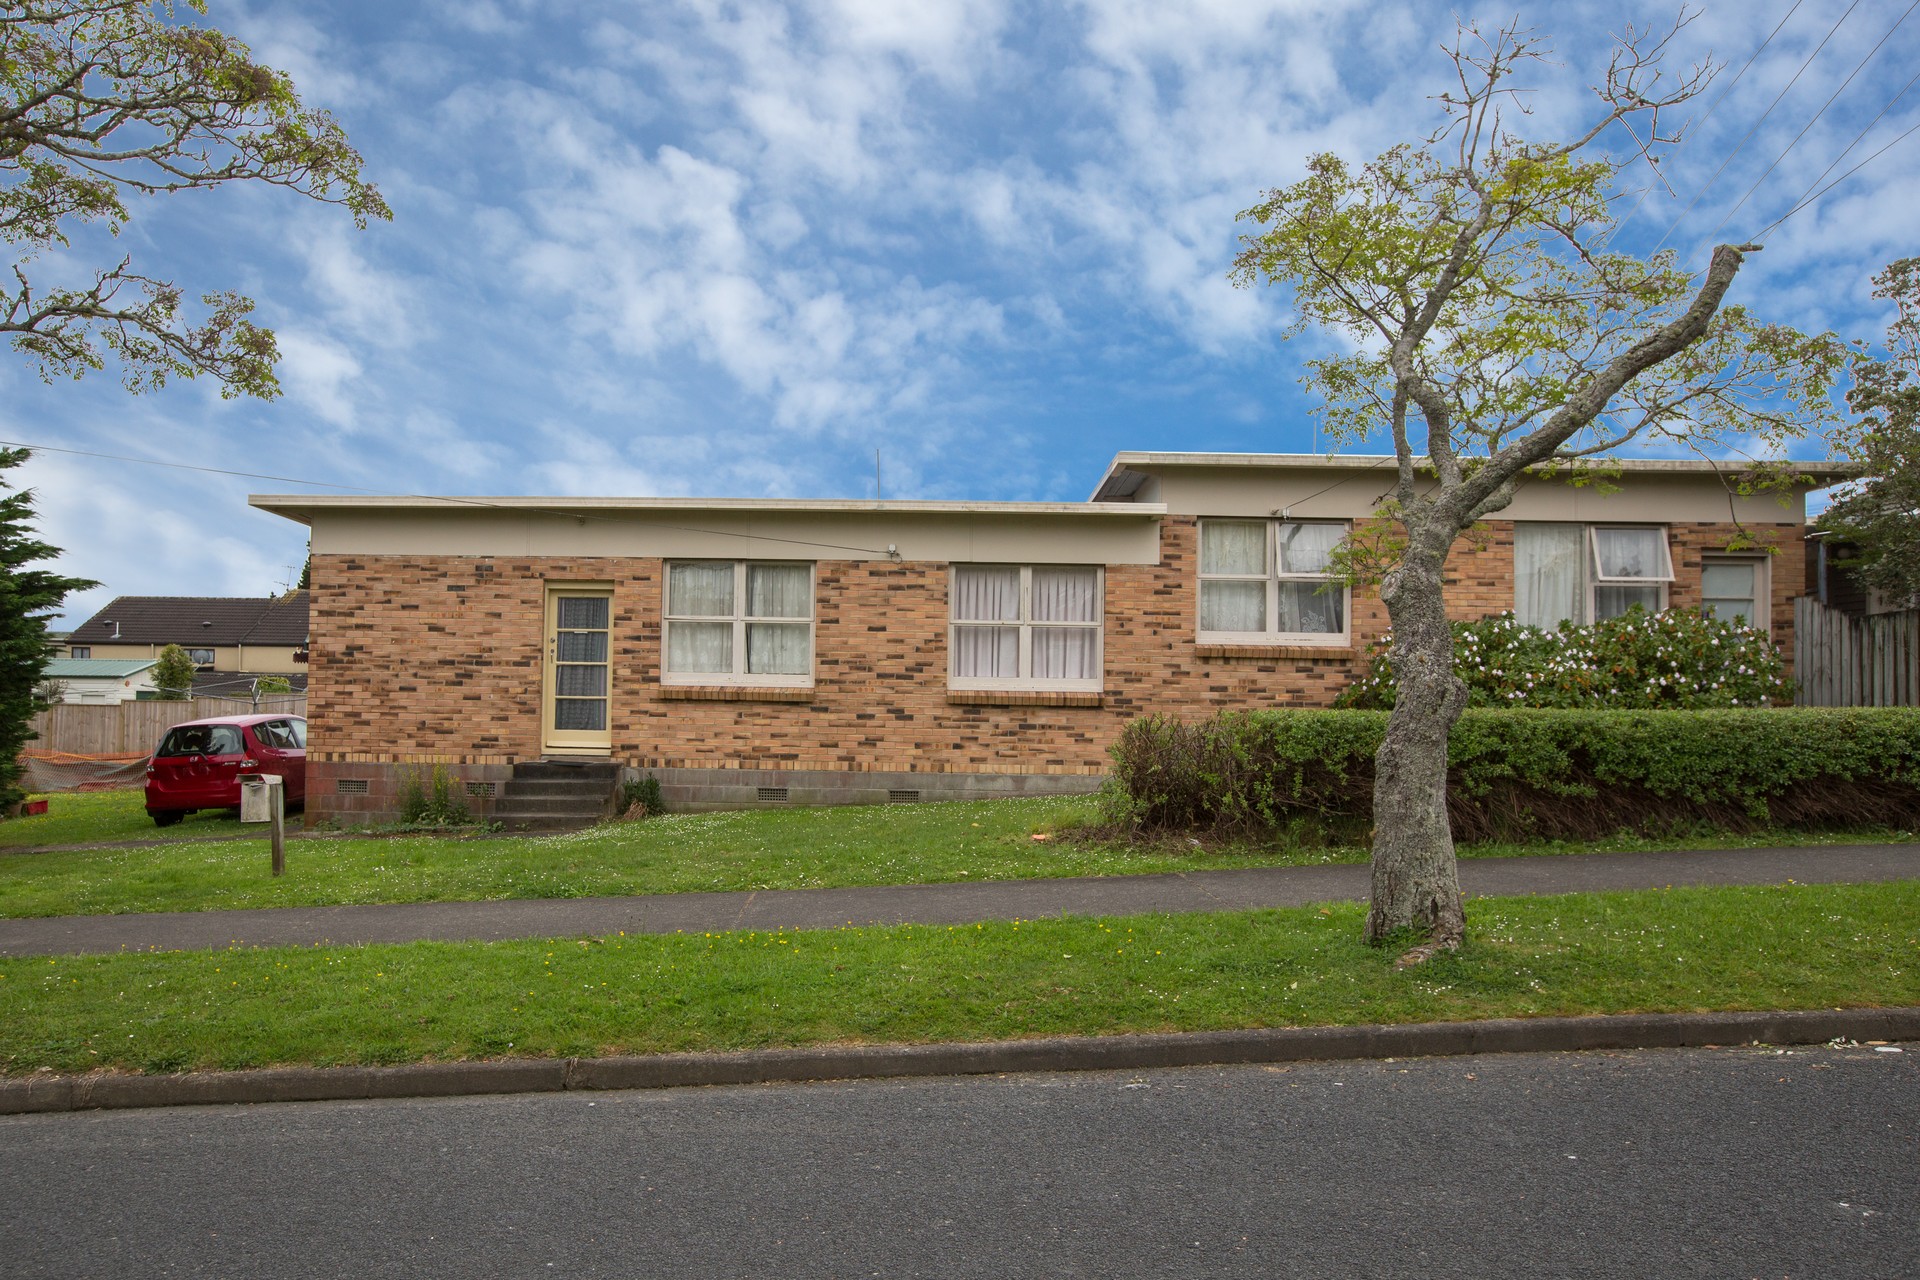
903,797
350,786
770,795
483,790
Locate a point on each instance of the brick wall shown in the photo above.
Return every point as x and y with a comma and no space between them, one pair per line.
419,660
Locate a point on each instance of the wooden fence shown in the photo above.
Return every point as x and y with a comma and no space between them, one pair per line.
1844,661
134,728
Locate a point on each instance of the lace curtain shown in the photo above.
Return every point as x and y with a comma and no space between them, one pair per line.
1546,573
991,594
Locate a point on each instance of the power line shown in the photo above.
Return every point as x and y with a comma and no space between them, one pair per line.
1842,178
1756,125
470,502
182,466
1702,123
1857,139
1809,124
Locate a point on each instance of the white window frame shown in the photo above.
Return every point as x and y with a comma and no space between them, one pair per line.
739,618
1026,680
80,651
1595,579
213,655
1273,578
1762,586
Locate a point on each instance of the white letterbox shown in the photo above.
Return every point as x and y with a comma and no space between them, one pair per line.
259,794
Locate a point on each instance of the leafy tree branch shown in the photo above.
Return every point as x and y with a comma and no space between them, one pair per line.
105,99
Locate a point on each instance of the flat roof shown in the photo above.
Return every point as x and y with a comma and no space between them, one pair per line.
302,507
1113,483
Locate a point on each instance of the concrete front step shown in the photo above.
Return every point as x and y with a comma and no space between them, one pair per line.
597,790
597,770
587,808
552,795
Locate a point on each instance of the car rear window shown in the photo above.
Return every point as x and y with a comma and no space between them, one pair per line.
201,740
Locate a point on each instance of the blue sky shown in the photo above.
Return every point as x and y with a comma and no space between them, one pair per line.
732,249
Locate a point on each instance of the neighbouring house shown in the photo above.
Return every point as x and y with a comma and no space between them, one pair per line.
782,651
230,639
101,680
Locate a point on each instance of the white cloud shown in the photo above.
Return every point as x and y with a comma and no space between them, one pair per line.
317,373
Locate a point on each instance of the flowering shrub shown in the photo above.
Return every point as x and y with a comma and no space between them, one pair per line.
1677,660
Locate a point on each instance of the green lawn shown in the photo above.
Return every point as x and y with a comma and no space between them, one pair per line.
1783,947
756,849
92,817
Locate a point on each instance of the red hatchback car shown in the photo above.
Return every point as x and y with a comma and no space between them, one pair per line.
198,765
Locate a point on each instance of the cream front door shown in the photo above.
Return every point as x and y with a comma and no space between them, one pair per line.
578,671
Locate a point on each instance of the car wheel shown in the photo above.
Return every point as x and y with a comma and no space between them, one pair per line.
167,819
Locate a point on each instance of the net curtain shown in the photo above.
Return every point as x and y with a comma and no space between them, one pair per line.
991,594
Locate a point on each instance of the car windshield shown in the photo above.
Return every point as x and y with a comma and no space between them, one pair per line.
201,740
299,728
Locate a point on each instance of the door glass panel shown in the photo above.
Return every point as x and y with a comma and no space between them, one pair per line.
578,613
583,646
581,681
579,713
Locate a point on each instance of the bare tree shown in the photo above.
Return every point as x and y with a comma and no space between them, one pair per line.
1488,325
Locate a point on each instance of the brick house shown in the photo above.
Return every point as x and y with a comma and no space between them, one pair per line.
760,651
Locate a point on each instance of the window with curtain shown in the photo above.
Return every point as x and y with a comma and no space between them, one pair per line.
1630,567
1025,627
1548,585
739,622
1585,573
1271,581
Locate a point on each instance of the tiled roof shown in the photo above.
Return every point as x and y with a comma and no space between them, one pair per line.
94,668
198,622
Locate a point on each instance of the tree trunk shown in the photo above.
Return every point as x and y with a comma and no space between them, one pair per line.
1416,880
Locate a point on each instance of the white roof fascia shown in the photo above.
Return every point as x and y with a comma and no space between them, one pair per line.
300,507
1824,473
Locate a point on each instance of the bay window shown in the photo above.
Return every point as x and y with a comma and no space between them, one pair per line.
1271,582
738,622
1025,627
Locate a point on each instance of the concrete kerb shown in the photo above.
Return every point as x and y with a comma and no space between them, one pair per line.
1088,1053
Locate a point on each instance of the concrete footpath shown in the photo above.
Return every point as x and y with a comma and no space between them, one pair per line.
1235,890
949,904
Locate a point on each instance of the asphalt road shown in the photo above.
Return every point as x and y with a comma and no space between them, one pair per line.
1723,1163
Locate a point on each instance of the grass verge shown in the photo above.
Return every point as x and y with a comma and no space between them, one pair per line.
1784,947
761,849
91,817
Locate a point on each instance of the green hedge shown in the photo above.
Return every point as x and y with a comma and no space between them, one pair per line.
1530,774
